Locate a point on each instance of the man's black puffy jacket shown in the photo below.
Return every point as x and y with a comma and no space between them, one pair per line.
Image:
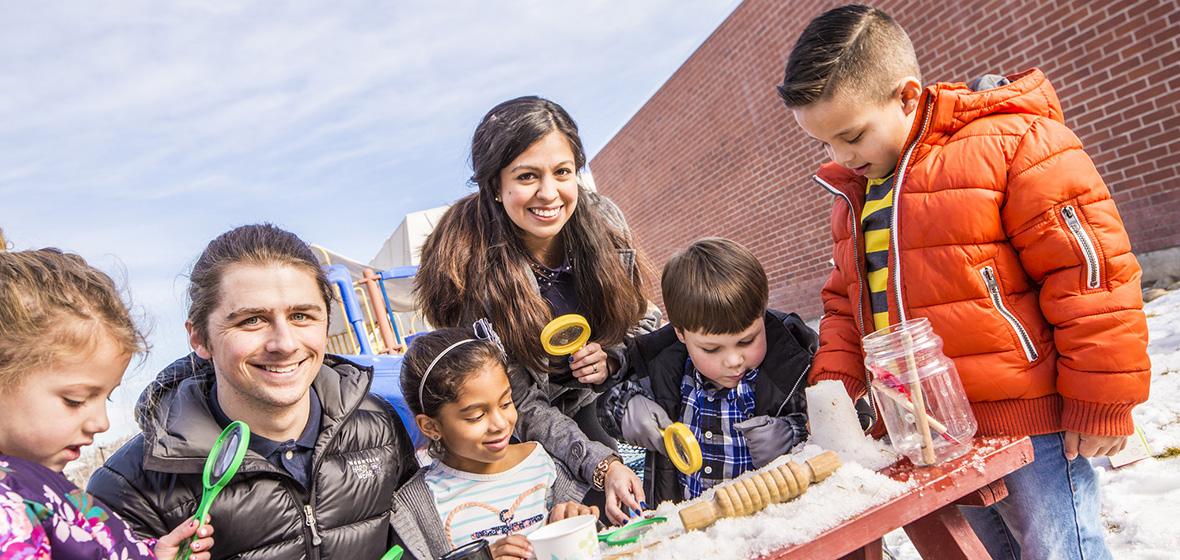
361,457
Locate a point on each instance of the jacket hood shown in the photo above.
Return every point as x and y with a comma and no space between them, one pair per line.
956,104
948,107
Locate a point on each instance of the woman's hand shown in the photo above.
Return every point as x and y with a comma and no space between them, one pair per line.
591,364
512,546
168,547
566,510
622,488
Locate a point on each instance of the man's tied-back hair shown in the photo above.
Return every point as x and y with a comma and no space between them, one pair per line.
855,51
714,286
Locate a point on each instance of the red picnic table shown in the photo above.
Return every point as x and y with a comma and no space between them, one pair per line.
928,511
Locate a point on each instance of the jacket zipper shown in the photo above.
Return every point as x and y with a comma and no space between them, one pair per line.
993,288
309,520
860,278
897,184
1075,227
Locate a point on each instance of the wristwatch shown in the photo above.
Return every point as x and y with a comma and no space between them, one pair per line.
599,481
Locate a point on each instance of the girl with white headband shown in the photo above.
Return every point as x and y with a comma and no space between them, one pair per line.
482,484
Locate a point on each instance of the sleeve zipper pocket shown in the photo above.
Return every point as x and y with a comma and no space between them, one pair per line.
993,288
1091,255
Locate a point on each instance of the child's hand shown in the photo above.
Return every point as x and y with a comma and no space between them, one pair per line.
642,422
590,364
768,437
168,547
512,546
566,510
1089,445
624,489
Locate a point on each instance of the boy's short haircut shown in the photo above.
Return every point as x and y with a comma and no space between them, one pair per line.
714,286
856,51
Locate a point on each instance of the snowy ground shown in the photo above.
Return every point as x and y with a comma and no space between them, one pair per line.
1140,501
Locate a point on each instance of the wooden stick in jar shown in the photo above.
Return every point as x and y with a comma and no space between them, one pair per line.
915,388
904,401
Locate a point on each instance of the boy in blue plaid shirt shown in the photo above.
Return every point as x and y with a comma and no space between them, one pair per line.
726,366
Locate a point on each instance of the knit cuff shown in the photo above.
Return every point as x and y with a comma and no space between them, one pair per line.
1100,419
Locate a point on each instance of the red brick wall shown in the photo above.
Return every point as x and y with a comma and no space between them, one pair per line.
714,151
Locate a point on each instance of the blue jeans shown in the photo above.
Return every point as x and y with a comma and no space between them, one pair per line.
1052,510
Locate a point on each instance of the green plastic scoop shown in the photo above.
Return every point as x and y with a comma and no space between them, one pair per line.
221,466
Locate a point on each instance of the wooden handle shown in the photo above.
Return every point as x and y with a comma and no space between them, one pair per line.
904,401
754,493
915,388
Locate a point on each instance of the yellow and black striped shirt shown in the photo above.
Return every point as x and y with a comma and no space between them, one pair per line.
875,220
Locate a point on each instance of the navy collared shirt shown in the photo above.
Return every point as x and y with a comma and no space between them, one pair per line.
710,412
559,289
293,455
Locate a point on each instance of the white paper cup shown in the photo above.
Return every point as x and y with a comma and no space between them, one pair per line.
569,539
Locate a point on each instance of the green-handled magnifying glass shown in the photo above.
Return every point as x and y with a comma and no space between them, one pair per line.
629,533
221,466
394,553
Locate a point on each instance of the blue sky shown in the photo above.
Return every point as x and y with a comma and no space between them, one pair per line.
133,132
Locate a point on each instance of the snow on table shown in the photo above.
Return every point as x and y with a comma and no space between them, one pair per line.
852,489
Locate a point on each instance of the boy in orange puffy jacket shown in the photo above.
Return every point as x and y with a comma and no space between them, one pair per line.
975,207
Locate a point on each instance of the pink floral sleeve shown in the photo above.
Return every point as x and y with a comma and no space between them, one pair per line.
20,539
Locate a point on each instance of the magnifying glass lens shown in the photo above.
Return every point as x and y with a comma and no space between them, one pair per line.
225,455
628,533
566,336
681,450
631,532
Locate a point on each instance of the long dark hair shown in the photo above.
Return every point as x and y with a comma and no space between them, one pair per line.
474,263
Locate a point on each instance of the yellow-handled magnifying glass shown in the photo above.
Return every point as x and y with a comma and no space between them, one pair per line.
682,447
565,334
568,334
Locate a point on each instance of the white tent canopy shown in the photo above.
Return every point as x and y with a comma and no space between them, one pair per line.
401,249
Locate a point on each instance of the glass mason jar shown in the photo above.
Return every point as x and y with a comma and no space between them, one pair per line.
918,392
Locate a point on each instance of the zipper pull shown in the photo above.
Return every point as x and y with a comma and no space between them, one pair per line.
990,279
309,520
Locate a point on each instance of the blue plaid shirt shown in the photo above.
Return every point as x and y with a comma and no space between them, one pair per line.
710,412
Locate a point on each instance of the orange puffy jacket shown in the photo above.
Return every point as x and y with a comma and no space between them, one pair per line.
1007,240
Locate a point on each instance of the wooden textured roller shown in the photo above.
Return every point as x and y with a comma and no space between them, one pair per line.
749,495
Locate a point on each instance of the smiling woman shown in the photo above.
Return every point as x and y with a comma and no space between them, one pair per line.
258,327
531,245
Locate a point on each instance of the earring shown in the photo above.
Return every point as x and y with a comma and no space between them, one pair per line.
435,448
498,199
